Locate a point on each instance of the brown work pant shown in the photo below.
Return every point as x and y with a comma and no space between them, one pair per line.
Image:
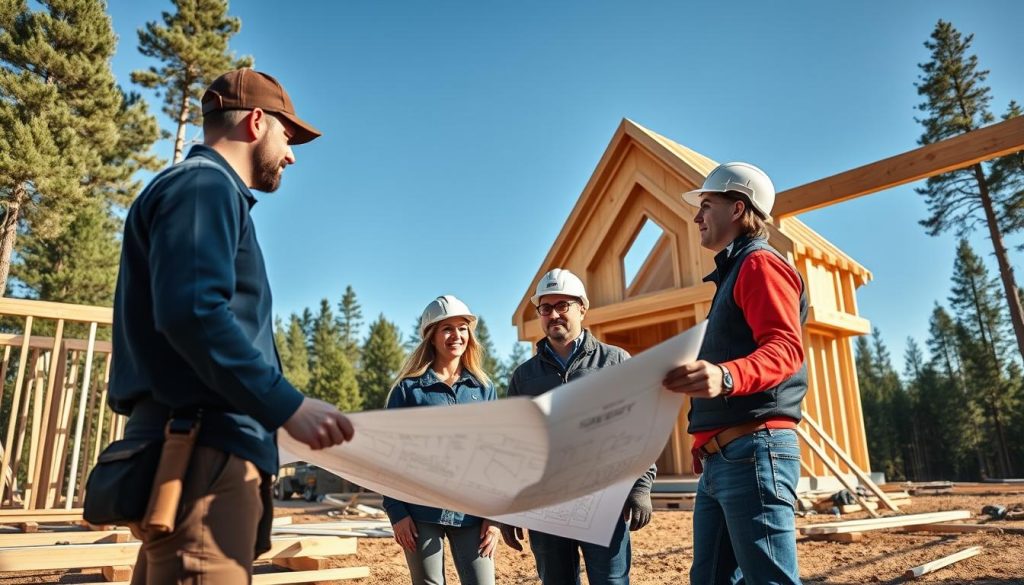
214,539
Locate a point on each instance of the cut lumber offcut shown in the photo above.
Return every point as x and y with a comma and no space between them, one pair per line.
304,563
883,523
118,573
281,521
943,562
39,558
863,477
954,528
814,446
281,578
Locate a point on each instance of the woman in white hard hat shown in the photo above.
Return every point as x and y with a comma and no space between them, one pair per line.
445,368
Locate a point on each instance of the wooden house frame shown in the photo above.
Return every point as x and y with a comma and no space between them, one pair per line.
640,178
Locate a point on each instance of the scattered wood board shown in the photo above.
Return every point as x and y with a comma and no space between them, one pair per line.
33,558
884,523
943,562
65,537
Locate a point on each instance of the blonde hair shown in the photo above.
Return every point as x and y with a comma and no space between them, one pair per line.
423,356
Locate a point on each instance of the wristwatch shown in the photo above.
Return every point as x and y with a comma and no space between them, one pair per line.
727,386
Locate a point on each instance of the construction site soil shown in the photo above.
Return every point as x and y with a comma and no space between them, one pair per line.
662,551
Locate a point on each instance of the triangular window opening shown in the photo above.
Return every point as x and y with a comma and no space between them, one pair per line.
638,261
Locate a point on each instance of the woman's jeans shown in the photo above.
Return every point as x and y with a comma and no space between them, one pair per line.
744,529
426,563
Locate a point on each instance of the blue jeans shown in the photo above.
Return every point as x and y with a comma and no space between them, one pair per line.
744,529
426,563
558,559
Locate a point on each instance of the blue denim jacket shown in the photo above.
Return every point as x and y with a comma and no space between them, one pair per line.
429,390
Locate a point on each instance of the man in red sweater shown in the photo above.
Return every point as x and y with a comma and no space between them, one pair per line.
745,389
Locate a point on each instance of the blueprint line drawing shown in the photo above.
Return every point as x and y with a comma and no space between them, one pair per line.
561,463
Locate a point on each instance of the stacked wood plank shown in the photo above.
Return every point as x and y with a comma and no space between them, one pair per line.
115,552
841,531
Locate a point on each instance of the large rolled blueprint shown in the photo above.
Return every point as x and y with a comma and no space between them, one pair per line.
561,463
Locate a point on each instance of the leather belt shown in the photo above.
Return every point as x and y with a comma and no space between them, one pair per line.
719,441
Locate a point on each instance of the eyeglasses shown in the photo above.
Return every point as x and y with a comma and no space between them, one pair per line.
561,307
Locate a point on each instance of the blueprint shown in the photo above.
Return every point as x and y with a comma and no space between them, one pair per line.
561,463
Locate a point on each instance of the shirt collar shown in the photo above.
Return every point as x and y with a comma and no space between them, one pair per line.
430,377
208,153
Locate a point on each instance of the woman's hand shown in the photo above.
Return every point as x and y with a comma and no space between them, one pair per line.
490,534
405,533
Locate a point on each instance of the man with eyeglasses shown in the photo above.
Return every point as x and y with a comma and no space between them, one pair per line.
566,353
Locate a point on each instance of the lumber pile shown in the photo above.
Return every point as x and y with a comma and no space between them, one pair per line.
114,552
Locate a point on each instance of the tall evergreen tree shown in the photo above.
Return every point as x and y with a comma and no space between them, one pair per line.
350,319
60,109
984,343
192,47
490,362
1007,177
79,264
884,405
519,354
413,339
382,357
292,345
956,102
332,377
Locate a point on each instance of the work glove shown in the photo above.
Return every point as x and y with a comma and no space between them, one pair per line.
638,508
512,535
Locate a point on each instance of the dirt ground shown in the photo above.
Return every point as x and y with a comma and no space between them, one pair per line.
662,552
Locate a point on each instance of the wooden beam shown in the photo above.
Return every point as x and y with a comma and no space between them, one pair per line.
834,468
943,562
48,310
64,537
884,523
39,558
934,159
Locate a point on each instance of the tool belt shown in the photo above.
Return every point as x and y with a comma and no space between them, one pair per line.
139,480
728,435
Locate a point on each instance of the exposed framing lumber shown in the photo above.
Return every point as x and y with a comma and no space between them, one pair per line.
857,471
884,523
954,528
38,558
834,468
934,159
943,562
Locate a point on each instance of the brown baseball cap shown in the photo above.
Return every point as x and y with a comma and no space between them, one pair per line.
247,89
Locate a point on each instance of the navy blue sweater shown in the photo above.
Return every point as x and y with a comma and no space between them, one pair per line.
193,325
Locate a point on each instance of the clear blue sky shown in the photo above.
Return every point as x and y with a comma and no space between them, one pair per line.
458,135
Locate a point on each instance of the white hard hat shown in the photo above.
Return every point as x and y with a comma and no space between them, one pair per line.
743,178
445,307
560,281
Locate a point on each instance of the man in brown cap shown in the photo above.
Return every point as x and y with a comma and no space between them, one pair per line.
193,335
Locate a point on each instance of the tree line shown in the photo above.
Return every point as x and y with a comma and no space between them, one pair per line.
323,353
957,411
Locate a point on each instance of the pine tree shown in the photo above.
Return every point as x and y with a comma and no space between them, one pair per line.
294,354
519,354
1007,177
883,404
984,342
350,319
332,377
60,110
192,47
956,102
413,340
490,362
382,357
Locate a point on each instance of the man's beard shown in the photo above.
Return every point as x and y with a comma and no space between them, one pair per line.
266,170
561,334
